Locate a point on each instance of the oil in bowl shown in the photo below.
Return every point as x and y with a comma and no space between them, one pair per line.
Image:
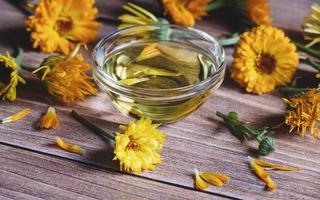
159,79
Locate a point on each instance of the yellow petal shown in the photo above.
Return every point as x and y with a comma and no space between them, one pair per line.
221,177
210,178
263,175
263,163
68,147
200,184
150,51
49,119
16,116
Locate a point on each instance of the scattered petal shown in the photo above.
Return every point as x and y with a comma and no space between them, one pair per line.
200,184
263,175
49,119
68,147
221,177
263,163
212,179
17,116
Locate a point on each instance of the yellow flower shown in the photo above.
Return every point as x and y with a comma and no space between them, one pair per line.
16,116
9,77
202,179
258,11
264,58
66,78
49,119
304,113
56,24
263,175
185,12
68,147
311,29
138,145
137,16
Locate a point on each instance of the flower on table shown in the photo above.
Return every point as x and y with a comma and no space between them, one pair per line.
257,166
68,147
184,12
56,24
311,29
9,77
264,58
49,119
137,146
65,76
203,179
17,116
304,113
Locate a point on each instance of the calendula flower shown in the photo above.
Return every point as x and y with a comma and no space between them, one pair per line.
304,113
9,77
49,119
311,29
66,78
264,58
263,175
56,24
203,179
16,116
68,147
138,145
184,12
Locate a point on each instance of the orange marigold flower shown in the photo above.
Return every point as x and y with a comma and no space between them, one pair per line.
49,119
185,12
66,78
68,147
56,24
16,116
258,11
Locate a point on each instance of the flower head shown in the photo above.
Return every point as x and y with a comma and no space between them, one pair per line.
138,145
264,58
184,12
203,179
66,78
17,116
311,29
304,113
56,24
9,77
49,119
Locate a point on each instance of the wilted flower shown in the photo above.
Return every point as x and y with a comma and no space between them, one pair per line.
56,24
9,77
49,119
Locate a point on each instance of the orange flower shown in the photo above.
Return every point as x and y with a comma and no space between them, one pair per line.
258,11
185,12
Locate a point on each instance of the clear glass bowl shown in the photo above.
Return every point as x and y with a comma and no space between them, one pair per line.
161,105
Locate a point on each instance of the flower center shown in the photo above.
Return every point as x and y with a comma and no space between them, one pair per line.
5,74
64,25
266,63
133,145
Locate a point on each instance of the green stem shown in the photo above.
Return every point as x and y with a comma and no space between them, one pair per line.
217,4
229,41
312,63
19,53
291,91
222,115
91,126
307,50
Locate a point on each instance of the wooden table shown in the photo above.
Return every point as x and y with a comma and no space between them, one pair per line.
32,167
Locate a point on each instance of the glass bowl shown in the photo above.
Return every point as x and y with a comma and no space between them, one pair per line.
160,104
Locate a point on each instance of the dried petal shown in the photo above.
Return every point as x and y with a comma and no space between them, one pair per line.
68,147
221,177
16,116
263,175
49,119
200,184
263,163
212,179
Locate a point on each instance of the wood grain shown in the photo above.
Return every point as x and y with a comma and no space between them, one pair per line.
201,140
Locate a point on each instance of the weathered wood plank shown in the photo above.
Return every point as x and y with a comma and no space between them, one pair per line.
28,175
200,140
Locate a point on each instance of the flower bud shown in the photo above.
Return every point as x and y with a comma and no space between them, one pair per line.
266,146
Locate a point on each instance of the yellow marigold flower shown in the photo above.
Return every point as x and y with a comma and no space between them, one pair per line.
16,116
136,16
56,24
138,145
311,29
202,179
184,12
68,147
304,113
264,58
9,77
66,78
258,11
272,166
49,119
263,175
